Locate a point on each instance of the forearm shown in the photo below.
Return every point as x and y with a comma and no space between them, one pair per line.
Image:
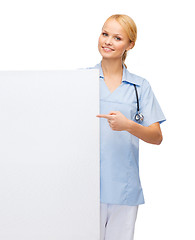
148,134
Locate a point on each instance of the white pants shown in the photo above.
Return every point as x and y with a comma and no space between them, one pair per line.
117,222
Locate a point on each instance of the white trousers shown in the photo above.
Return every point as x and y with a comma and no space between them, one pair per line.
117,222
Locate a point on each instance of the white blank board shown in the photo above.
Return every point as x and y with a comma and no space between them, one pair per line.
49,155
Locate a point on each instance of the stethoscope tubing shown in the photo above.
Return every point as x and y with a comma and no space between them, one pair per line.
139,117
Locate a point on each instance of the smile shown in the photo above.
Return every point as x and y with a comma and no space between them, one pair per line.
107,49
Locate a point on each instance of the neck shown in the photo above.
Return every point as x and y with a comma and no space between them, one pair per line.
111,67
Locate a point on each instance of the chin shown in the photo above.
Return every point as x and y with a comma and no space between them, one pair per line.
106,55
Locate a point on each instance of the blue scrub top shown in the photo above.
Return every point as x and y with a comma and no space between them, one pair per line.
119,150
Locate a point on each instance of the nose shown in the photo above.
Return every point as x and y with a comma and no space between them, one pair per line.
108,41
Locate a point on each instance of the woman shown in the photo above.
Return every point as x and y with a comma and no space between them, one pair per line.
122,96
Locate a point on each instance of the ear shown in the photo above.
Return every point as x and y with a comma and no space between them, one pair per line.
131,45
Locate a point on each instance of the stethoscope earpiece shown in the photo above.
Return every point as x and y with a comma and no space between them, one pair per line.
139,117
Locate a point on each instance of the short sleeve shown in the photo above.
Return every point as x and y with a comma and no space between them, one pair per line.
149,106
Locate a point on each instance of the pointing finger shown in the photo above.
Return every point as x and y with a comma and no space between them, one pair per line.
104,116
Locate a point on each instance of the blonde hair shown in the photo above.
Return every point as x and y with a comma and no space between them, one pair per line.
130,28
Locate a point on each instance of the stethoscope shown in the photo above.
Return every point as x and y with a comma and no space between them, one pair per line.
139,117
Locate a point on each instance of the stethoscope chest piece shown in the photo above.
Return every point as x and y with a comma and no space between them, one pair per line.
139,117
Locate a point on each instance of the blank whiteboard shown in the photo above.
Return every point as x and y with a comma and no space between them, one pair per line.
49,155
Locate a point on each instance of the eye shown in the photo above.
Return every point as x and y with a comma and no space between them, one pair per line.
118,38
104,34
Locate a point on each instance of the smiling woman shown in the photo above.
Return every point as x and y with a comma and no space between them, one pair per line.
122,96
118,36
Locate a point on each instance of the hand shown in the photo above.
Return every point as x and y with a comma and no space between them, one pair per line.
116,120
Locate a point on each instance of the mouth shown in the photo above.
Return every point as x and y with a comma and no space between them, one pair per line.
107,49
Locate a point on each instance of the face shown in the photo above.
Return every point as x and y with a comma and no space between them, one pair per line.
113,40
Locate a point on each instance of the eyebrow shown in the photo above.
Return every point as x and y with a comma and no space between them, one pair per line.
113,34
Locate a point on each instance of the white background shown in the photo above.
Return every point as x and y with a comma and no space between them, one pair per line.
55,35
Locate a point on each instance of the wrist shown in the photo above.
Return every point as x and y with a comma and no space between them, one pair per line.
129,125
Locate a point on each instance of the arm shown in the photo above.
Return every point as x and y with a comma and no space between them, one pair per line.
118,122
151,134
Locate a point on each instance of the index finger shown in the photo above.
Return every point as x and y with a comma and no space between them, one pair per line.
104,116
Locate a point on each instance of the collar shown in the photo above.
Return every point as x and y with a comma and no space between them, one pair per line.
127,76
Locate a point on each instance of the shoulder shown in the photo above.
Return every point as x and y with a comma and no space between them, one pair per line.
97,66
88,68
136,79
